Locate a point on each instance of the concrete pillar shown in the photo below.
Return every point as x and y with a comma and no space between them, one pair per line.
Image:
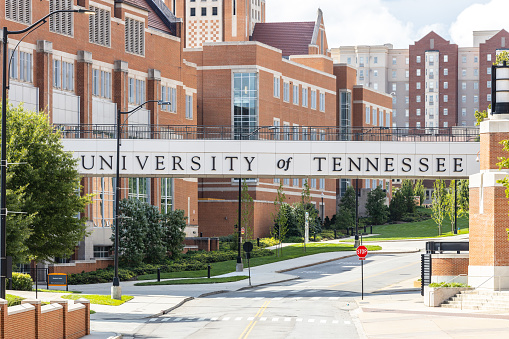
3,317
37,304
84,86
489,220
65,305
86,303
43,75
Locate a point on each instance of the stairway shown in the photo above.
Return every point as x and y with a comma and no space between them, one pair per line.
479,300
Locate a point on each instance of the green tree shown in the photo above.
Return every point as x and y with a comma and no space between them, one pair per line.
46,186
376,207
438,203
133,225
155,248
450,206
247,210
174,224
420,191
407,189
280,216
397,206
463,198
346,213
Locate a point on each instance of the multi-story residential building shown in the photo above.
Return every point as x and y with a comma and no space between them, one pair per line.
80,70
468,85
256,83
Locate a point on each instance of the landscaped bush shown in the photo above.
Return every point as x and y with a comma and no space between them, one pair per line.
294,239
267,242
443,284
327,235
21,282
13,300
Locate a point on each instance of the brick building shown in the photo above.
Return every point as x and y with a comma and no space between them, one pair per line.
81,69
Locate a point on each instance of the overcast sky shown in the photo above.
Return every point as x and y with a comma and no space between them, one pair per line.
400,22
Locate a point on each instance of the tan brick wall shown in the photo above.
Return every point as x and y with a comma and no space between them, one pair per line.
449,266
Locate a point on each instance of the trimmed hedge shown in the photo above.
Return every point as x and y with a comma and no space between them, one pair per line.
21,281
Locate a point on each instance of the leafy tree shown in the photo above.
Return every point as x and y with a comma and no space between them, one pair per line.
174,223
344,218
438,204
463,198
376,207
247,210
133,225
420,191
407,190
42,182
280,216
450,205
155,249
348,199
397,206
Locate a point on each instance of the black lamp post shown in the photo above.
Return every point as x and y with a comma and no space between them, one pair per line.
116,292
323,210
3,164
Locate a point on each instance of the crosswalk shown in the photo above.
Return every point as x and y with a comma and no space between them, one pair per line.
240,319
281,298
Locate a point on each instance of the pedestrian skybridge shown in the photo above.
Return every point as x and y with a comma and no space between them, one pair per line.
274,152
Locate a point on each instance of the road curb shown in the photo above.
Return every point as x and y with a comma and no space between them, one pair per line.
171,308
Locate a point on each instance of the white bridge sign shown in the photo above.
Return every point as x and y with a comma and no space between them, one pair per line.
269,159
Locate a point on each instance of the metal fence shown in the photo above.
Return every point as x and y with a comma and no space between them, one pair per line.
285,133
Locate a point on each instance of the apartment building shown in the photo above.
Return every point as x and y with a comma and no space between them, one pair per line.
80,69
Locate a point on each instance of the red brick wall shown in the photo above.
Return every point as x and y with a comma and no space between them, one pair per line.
20,325
80,267
449,266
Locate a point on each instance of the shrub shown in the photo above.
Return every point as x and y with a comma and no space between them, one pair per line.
327,235
21,282
295,239
443,284
267,242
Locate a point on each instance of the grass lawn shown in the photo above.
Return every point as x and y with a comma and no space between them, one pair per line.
194,281
13,300
99,299
416,230
56,291
289,252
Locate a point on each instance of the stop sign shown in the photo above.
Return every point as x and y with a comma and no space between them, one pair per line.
362,251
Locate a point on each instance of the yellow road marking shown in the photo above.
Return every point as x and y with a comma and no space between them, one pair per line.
252,323
374,275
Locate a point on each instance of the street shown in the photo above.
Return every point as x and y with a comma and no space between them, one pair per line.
318,305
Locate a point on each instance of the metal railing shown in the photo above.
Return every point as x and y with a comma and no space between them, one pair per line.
303,133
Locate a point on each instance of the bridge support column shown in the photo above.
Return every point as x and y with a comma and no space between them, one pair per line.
489,220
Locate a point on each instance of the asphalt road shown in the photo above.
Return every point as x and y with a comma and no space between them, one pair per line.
318,305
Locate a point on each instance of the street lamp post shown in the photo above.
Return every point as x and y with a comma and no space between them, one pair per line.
116,291
323,210
3,162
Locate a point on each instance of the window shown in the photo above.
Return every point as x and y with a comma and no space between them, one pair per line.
245,102
57,73
375,86
446,71
446,85
305,97
139,189
375,60
101,84
18,10
394,99
407,74
286,91
368,183
394,87
295,94
446,111
214,10
418,59
407,100
488,57
446,124
312,183
361,74
189,106
295,182
322,102
464,112
295,132
476,85
322,184
134,36
394,74
407,60
277,181
446,58
464,59
418,111
463,98
418,124
166,195
361,61
193,12
99,26
394,60
204,11
67,76
136,91
476,59
286,131
394,113
277,87
276,125
488,70
418,98
368,113
407,112
488,84
446,98
349,61
60,22
286,181
476,72
464,72
380,117
488,97
387,119
418,72
375,114
169,94
102,251
375,73
418,85
313,99
476,98
463,85
407,86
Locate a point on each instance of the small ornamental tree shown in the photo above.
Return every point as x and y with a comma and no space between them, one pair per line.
419,191
397,206
438,204
247,211
463,198
174,224
376,207
280,216
346,212
407,190
450,204
132,231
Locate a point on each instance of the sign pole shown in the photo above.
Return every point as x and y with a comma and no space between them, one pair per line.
362,279
362,252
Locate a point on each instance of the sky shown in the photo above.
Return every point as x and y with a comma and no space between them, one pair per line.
399,22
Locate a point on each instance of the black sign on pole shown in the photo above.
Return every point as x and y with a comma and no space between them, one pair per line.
248,247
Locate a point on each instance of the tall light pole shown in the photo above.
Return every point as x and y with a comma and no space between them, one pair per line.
3,162
323,210
116,291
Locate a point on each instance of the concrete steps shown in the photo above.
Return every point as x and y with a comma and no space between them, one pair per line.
479,300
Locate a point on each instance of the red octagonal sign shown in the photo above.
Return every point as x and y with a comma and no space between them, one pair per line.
362,251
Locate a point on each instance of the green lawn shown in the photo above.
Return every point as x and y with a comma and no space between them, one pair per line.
416,230
13,300
99,299
289,252
194,281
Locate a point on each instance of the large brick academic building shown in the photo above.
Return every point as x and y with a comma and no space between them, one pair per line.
218,63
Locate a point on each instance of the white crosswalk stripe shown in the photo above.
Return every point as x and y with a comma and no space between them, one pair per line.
250,318
298,320
275,319
238,318
335,321
263,318
214,319
226,318
178,319
288,319
166,319
323,321
153,319
201,319
347,322
311,320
